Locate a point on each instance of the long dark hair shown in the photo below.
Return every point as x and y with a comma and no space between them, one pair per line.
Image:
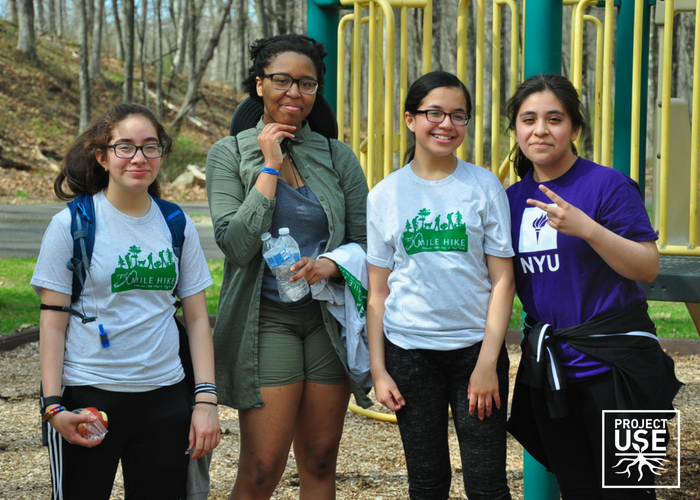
564,91
264,51
81,173
422,87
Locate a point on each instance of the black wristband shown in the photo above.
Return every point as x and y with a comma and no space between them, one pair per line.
49,400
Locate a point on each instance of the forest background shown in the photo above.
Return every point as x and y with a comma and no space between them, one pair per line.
167,43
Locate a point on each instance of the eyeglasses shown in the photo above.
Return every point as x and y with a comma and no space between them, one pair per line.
282,81
436,116
128,151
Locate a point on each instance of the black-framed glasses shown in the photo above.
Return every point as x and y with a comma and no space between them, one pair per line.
436,116
128,151
282,81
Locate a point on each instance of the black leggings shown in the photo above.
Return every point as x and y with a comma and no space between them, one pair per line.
148,432
430,381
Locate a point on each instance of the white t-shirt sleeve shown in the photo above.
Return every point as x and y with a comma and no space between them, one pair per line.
497,236
380,251
56,249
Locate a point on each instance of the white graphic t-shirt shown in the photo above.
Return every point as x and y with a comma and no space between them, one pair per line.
434,236
133,273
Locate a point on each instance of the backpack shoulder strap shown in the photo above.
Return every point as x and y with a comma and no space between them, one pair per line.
82,228
175,218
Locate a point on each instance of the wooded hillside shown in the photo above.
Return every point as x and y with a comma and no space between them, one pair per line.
40,111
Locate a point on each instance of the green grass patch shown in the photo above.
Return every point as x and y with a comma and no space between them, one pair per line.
186,151
671,318
216,268
19,305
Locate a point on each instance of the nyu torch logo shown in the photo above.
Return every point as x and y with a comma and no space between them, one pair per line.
638,449
538,224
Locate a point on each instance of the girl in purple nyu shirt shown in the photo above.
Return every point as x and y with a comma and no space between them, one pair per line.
582,240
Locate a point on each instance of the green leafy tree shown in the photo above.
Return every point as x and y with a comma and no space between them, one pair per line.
135,251
424,212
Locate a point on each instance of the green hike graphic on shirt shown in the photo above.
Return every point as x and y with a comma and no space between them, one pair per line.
359,293
150,273
438,235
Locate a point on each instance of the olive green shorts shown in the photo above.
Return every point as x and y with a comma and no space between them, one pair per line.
295,346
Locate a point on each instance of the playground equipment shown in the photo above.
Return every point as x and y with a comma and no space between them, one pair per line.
619,128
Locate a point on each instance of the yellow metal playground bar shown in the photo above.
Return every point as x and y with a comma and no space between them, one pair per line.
385,129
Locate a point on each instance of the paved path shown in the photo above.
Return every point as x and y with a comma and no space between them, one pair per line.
22,228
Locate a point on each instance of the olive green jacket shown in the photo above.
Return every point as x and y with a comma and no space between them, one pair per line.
241,214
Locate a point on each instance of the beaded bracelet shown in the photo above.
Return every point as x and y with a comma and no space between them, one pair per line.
50,400
53,411
213,409
268,170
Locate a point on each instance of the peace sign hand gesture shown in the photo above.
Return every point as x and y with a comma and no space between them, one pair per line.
631,259
564,217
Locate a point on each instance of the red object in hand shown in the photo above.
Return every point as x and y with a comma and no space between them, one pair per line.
83,428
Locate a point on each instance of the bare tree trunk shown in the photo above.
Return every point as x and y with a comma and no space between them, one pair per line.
240,20
488,91
159,52
471,69
95,73
142,51
437,38
61,11
90,9
12,6
182,31
52,16
128,89
263,21
84,70
118,29
201,66
229,50
171,34
25,39
652,87
588,65
39,21
685,23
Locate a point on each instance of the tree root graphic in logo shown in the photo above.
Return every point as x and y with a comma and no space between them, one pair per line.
640,461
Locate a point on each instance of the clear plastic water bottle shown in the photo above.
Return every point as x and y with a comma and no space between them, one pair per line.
290,243
281,254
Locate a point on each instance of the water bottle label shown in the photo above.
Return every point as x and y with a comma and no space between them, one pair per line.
278,258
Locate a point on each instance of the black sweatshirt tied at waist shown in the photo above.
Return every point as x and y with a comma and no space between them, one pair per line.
642,372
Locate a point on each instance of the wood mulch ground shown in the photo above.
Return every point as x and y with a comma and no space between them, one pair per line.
371,464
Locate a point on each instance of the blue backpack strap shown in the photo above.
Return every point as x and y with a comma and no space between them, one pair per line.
175,218
82,228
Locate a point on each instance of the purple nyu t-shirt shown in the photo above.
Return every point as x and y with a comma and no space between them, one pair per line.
560,279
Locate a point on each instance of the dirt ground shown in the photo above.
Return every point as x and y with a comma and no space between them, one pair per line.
371,464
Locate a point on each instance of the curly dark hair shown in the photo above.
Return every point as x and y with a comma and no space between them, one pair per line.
563,90
81,173
265,50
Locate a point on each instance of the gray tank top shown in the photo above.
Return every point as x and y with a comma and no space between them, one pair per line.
300,211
